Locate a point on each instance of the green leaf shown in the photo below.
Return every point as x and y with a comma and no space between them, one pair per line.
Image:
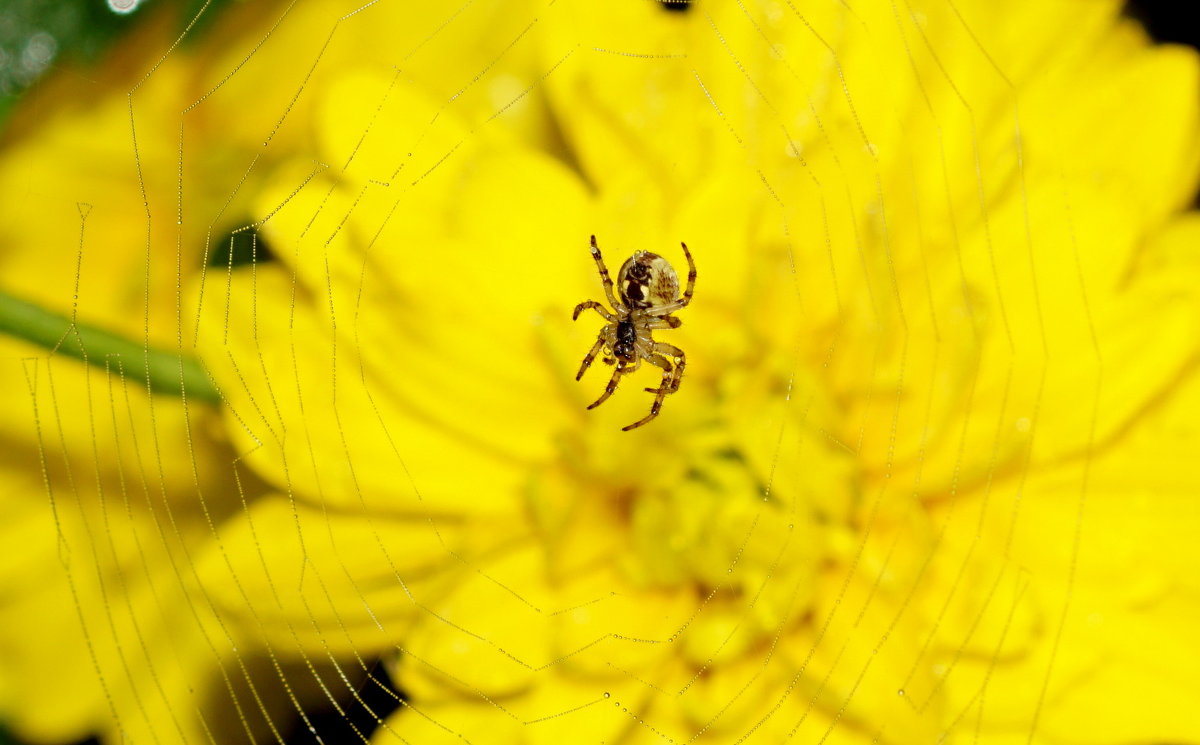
164,371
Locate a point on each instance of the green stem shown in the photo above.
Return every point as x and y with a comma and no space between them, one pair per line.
166,372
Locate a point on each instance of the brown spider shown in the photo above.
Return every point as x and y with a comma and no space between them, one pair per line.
648,293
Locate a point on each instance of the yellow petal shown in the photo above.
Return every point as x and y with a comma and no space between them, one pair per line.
293,419
1127,589
484,638
83,214
557,711
99,619
332,582
1145,154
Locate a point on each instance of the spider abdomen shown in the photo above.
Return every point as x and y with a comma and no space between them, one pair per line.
647,280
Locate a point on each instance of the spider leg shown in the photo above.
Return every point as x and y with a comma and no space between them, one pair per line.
591,355
607,280
654,408
664,310
670,384
664,322
593,304
682,302
691,285
653,413
659,361
612,382
670,381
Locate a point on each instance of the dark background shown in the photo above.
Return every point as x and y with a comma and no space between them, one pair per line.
1167,20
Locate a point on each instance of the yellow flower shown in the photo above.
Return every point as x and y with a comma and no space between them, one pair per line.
107,491
923,478
121,184
927,477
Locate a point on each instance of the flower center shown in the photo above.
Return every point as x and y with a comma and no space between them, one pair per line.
733,505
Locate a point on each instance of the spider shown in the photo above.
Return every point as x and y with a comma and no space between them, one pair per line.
647,295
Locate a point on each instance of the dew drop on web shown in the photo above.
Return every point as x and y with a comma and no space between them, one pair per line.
123,7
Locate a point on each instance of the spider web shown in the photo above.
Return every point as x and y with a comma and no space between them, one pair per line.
924,587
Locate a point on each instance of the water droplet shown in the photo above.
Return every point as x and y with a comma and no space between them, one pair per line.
900,692
606,694
38,53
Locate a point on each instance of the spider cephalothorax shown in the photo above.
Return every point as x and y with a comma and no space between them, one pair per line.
647,294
